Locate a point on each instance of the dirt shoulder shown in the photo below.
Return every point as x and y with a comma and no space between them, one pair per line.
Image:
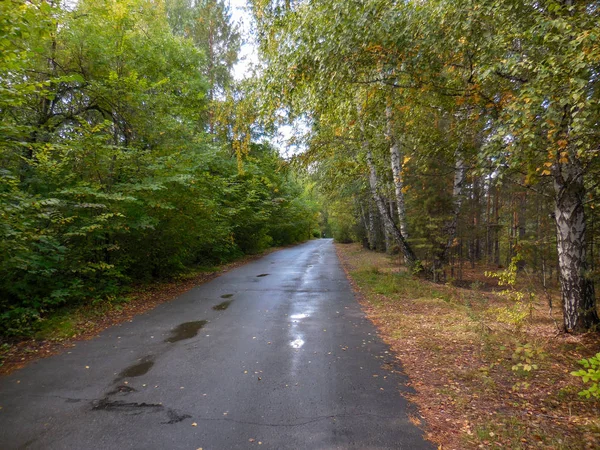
460,356
65,328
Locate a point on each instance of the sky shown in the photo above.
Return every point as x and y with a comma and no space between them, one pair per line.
248,54
248,57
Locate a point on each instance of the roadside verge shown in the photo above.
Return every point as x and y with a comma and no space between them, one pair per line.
461,360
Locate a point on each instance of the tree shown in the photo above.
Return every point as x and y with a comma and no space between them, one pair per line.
499,90
108,176
208,24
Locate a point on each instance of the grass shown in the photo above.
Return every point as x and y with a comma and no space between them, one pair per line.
70,321
460,359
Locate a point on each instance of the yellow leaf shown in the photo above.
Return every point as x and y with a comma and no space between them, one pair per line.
545,172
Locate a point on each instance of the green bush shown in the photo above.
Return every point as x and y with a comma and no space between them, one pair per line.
590,374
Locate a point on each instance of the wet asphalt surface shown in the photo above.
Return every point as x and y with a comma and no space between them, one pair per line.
276,354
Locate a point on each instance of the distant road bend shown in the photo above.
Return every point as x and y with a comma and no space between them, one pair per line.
276,354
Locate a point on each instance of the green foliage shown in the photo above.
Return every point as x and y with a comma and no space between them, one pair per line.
516,313
418,268
493,106
108,176
524,357
340,221
590,374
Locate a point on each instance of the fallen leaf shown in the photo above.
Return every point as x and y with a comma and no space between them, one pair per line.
194,424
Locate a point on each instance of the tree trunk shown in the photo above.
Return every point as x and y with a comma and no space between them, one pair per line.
488,216
579,303
388,223
460,175
389,240
521,227
496,226
366,222
396,158
372,228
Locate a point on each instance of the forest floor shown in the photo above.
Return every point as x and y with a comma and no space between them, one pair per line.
64,327
461,350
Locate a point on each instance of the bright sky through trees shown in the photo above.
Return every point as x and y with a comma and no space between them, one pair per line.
248,54
243,69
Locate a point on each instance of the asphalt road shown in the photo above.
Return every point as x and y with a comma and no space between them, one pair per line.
276,354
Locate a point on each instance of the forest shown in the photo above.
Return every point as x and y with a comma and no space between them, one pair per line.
450,147
128,152
458,133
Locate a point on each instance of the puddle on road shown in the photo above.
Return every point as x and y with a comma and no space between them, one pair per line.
298,316
297,343
186,330
226,295
138,369
262,275
222,306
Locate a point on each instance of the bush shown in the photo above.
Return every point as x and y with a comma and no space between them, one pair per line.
590,374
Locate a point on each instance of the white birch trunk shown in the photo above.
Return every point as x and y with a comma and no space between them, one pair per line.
388,223
578,297
460,175
396,159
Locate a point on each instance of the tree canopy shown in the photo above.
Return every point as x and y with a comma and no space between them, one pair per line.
112,170
459,129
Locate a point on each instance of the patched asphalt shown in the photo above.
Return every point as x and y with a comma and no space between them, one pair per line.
276,354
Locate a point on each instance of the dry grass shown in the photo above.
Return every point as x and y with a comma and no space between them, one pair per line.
459,359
